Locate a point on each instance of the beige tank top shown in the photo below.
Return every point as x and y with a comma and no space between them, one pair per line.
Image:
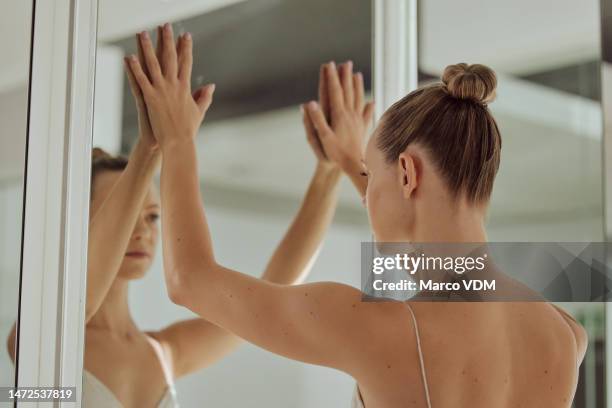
97,395
358,401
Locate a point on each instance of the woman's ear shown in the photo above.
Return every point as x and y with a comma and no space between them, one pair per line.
407,170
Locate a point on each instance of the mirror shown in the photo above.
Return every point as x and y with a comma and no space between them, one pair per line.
549,186
16,19
264,57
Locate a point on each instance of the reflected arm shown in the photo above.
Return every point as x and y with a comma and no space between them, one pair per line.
112,225
297,250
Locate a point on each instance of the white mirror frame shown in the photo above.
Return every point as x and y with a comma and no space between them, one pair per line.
56,209
395,51
606,102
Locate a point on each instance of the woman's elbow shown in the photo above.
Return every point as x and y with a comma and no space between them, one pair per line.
176,287
180,282
178,295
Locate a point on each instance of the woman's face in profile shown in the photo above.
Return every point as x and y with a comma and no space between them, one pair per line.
143,241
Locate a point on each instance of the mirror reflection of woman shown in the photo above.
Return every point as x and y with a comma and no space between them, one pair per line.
430,167
124,365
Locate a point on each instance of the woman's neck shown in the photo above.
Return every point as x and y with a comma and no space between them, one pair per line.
447,222
114,313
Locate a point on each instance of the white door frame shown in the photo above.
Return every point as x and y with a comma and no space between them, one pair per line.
52,307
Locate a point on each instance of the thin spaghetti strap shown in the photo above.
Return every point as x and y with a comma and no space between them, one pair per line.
164,361
420,350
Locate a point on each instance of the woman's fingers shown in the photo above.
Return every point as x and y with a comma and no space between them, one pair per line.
204,97
346,75
168,61
150,60
318,120
359,91
334,88
141,57
185,57
311,134
368,113
136,92
323,92
141,78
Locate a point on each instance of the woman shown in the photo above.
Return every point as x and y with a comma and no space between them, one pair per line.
430,167
125,366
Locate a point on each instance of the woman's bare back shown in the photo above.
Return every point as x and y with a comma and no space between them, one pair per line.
476,355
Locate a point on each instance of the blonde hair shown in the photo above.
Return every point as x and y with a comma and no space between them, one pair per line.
451,119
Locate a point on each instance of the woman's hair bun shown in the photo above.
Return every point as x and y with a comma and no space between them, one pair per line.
472,82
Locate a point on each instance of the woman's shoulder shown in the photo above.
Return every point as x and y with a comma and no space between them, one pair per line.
579,332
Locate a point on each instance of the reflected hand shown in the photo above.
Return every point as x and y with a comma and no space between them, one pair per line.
342,117
175,114
147,138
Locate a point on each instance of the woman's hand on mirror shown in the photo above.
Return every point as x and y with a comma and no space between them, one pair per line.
323,161
146,135
175,114
342,136
311,133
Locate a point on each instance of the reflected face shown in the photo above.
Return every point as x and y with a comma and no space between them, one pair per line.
388,210
143,241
